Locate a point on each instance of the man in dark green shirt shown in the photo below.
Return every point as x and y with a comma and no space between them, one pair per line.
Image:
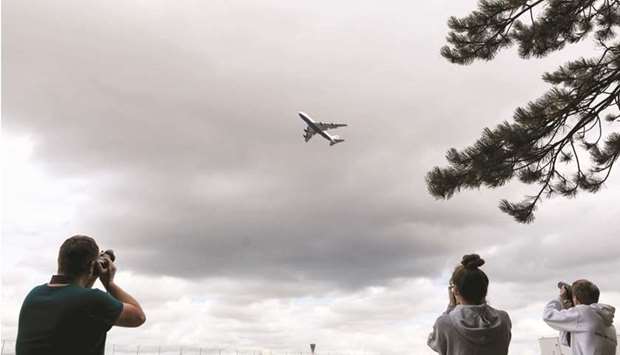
66,316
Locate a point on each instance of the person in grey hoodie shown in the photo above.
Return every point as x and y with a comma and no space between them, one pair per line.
585,325
470,326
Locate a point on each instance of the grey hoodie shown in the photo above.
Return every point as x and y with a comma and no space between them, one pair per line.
471,330
587,329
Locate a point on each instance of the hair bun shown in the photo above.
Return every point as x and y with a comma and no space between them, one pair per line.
472,261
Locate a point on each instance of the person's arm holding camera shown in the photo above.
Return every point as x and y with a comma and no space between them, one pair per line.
132,314
436,340
560,318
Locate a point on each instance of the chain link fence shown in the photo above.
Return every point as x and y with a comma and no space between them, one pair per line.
8,348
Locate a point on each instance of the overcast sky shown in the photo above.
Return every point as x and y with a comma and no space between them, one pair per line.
167,130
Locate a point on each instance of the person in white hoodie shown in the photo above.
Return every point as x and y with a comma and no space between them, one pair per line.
585,325
470,326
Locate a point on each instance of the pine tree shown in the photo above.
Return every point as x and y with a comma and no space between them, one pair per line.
564,141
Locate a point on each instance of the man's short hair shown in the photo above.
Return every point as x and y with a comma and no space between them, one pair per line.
76,255
586,292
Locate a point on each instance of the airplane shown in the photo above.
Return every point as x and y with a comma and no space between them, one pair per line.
320,128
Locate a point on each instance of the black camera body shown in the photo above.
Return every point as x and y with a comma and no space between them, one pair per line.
567,299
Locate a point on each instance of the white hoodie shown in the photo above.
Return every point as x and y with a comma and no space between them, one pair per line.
471,329
587,329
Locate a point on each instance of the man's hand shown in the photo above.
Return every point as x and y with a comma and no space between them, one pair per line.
107,270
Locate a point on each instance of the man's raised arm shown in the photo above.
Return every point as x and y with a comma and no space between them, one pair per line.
566,320
132,314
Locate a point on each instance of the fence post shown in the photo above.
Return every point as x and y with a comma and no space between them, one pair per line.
158,349
138,350
113,349
2,349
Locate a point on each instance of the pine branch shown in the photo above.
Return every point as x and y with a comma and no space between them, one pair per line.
530,148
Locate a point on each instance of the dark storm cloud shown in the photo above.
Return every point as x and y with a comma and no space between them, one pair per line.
184,116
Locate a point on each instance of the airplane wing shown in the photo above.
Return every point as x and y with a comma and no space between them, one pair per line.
308,133
325,126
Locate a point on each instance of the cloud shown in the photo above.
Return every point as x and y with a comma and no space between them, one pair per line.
169,133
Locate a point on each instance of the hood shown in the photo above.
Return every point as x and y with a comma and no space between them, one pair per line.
479,324
605,311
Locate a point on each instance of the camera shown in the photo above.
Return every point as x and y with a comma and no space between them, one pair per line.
101,260
567,299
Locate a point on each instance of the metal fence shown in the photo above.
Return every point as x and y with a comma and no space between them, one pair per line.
8,348
552,346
